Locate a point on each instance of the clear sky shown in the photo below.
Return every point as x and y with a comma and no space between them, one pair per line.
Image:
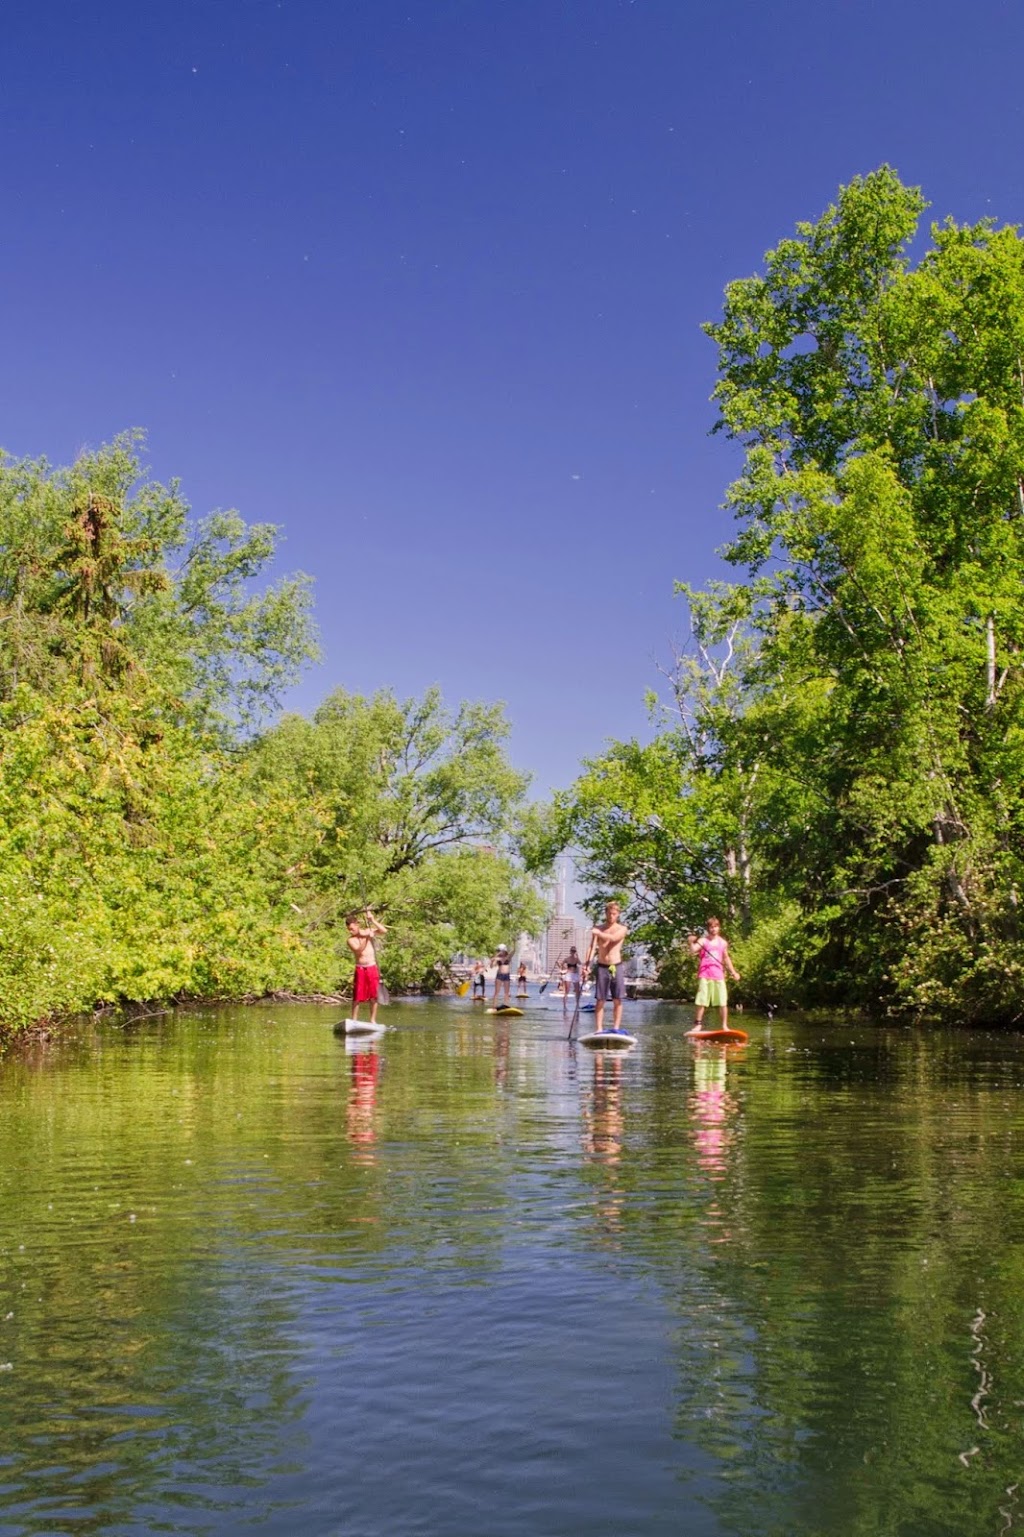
422,282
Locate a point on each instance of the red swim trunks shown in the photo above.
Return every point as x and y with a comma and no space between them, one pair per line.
366,985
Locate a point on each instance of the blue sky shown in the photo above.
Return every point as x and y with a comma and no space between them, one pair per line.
423,284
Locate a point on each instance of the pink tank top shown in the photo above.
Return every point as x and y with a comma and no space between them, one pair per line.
712,965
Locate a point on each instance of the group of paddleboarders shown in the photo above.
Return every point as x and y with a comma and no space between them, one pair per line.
710,949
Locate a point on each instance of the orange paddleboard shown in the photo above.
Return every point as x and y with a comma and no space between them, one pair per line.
737,1037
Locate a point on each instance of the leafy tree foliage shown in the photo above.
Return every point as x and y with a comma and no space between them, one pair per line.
419,805
858,781
152,846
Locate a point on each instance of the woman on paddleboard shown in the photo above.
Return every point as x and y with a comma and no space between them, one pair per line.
572,983
503,976
715,960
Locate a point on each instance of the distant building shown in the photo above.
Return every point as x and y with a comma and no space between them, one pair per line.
563,932
530,951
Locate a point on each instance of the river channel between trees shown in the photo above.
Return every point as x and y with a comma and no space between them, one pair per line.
477,1281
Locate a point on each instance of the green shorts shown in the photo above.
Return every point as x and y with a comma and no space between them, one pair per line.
711,995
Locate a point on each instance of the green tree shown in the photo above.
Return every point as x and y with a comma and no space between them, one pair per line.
420,807
864,768
102,572
138,858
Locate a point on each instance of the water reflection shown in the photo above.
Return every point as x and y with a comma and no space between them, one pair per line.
712,1109
603,1124
501,1047
236,1263
362,1098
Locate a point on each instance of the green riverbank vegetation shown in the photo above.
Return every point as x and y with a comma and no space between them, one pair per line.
158,839
840,769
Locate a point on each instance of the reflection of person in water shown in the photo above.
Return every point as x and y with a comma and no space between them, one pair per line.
362,1098
602,1118
712,1109
502,1041
603,1127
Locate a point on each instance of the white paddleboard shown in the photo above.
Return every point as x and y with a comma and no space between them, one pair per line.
358,1027
608,1040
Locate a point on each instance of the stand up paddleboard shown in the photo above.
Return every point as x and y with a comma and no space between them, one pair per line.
504,1008
737,1037
358,1027
608,1040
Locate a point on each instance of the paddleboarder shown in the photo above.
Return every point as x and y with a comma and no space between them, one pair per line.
713,949
503,975
572,982
366,983
611,977
480,981
521,988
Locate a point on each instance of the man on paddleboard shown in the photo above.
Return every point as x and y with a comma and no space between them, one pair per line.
366,985
611,978
715,960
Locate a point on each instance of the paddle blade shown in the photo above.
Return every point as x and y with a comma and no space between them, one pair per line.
543,985
383,996
462,989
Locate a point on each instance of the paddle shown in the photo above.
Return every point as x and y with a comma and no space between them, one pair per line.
550,979
576,1011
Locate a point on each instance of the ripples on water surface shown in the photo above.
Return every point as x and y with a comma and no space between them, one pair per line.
477,1281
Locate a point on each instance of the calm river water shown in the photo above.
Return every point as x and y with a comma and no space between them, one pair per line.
479,1281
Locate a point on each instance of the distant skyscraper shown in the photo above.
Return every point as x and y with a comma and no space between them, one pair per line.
560,886
565,928
563,932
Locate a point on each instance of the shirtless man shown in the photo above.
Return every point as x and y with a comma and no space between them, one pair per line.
611,978
366,986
